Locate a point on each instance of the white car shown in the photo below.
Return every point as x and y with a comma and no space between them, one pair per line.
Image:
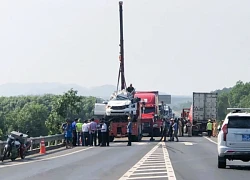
234,137
120,104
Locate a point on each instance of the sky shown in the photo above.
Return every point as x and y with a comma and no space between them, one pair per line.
174,46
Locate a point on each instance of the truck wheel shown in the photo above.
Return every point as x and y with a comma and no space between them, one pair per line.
222,162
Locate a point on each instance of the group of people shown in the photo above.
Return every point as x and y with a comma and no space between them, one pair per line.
173,128
86,133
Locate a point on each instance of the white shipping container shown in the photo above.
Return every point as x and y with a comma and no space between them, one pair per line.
204,106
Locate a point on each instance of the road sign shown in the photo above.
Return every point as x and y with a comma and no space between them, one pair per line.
165,98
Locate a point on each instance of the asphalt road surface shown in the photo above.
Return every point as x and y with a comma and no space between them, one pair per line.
193,158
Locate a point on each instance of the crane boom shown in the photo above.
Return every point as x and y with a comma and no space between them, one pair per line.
121,71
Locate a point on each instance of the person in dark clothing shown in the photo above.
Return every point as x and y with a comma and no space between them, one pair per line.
129,131
182,127
99,133
165,129
107,133
104,134
130,89
74,132
170,131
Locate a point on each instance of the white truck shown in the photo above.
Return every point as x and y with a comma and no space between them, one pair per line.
204,107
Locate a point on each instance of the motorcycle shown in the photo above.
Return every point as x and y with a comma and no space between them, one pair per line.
15,147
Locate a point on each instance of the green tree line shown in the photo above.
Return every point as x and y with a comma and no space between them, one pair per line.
237,96
42,115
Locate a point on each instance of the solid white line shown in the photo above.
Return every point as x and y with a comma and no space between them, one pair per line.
210,140
39,160
148,177
169,167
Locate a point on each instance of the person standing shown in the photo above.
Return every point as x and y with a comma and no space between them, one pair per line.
79,132
175,130
189,128
74,132
170,130
93,133
104,135
99,133
165,129
107,133
85,131
68,134
180,127
129,131
209,128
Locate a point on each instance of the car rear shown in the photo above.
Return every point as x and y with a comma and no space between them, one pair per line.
234,139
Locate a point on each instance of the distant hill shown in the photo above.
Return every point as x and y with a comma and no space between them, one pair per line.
104,91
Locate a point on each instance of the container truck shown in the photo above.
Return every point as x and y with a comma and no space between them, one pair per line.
203,108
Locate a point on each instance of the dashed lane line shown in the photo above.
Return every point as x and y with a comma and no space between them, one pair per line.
155,164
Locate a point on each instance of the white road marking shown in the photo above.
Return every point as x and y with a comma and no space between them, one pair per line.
210,140
39,160
155,164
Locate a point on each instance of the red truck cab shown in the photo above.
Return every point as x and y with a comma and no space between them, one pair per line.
149,105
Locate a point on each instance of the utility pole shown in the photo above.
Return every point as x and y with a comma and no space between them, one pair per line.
123,82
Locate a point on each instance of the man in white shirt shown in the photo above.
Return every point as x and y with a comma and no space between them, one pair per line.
85,131
104,135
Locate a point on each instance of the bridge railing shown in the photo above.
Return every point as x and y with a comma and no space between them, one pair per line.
51,142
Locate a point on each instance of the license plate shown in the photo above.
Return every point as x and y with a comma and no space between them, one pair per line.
245,137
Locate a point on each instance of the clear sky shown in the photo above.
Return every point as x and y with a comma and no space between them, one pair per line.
174,46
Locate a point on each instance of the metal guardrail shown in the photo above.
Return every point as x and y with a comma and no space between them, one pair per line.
51,142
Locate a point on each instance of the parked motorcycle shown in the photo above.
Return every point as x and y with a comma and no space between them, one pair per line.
16,147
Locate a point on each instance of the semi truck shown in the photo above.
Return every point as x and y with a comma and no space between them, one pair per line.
203,108
149,108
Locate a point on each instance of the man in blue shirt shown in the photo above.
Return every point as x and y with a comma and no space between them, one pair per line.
68,134
74,132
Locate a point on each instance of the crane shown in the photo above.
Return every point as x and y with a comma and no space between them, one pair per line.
121,57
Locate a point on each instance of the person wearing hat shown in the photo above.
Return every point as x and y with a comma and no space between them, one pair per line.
209,128
129,131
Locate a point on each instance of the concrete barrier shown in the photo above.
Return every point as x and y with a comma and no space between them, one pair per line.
51,142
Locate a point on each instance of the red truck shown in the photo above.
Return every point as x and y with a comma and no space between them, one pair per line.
118,126
149,108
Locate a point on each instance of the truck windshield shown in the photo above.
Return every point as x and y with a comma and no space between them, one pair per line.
149,110
239,122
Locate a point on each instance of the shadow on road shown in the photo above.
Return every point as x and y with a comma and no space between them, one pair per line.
239,167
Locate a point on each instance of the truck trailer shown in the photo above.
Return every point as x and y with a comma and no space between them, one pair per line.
203,108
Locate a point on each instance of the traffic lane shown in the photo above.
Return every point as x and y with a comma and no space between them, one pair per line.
59,152
195,158
95,163
49,154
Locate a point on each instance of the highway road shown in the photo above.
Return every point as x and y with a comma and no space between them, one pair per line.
193,158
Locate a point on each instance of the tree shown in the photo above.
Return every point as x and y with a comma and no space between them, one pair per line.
42,115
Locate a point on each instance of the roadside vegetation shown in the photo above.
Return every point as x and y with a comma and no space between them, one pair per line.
43,115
